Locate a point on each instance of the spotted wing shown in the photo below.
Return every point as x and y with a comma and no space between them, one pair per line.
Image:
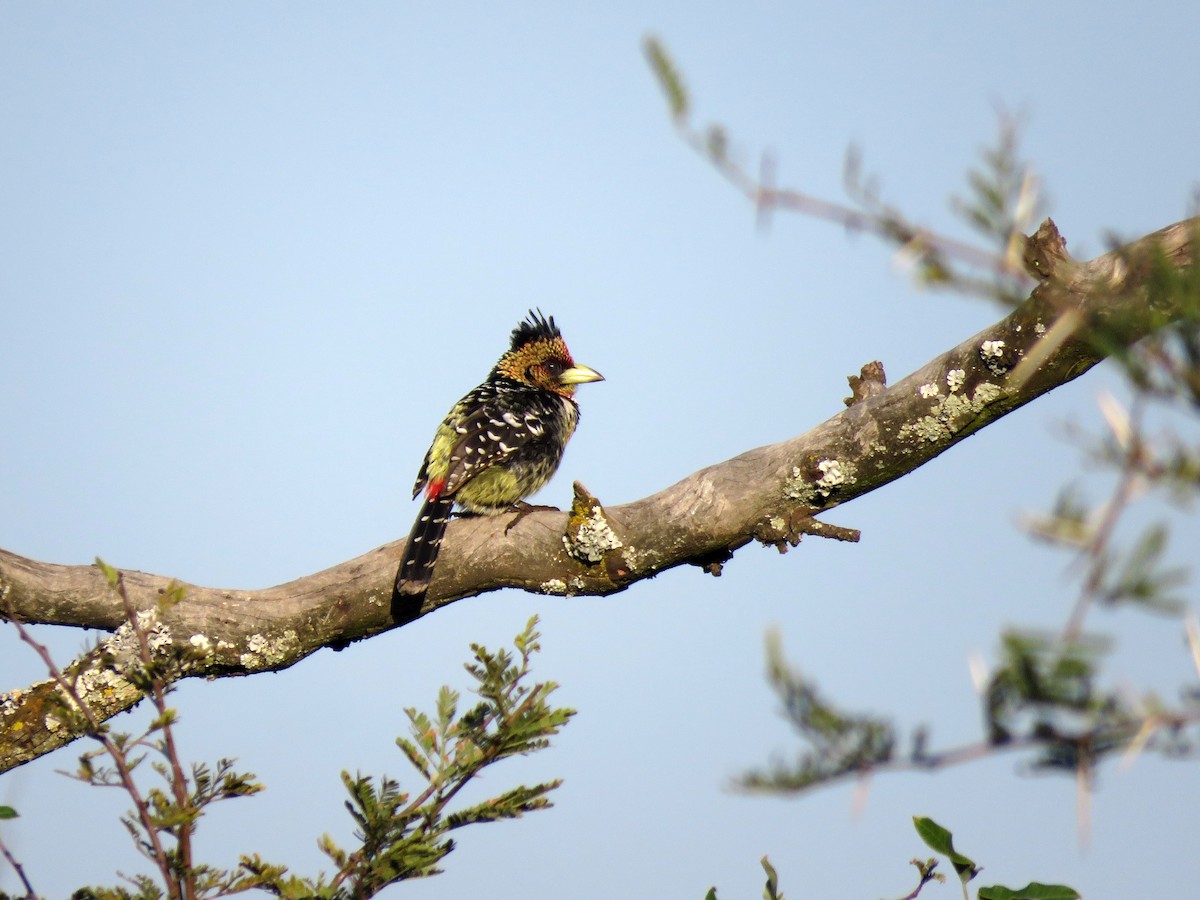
483,430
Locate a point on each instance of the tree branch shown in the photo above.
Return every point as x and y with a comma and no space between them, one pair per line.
769,494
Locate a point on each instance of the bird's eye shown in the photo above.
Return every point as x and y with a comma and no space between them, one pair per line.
554,368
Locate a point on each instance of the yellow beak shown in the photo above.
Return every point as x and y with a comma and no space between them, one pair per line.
579,375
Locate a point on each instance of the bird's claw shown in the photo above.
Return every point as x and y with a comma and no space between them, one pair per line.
522,509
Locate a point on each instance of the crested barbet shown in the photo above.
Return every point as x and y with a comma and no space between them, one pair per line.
499,444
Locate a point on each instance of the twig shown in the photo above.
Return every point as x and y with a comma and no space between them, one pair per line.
766,197
30,893
928,874
97,731
179,783
1131,443
928,762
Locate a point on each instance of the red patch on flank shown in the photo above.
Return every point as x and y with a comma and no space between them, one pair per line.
433,489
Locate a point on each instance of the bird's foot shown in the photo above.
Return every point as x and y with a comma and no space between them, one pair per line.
522,509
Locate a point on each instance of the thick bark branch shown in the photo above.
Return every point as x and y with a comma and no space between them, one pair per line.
768,494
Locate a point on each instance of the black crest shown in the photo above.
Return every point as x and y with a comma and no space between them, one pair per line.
536,327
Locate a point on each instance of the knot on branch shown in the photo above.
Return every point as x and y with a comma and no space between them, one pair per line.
870,380
1045,251
713,562
787,529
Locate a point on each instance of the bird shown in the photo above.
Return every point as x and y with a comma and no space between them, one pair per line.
500,443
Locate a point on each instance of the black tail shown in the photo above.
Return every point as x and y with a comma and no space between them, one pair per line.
424,542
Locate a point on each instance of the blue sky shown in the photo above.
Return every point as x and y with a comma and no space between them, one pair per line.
252,253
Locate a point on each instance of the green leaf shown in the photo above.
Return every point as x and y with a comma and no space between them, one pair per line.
509,805
842,742
111,575
771,891
7,812
668,77
447,707
1031,891
1142,579
527,641
173,594
415,757
941,841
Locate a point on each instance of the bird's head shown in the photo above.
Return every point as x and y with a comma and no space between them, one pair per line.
539,356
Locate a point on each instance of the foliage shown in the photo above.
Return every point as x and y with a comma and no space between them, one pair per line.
941,841
1165,366
1045,692
842,743
770,890
401,834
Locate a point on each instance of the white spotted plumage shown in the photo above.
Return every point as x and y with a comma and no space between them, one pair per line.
500,443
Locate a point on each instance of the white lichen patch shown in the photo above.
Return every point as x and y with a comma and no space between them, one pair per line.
992,354
950,415
929,390
1039,328
984,394
590,539
873,452
955,379
201,644
202,651
124,646
834,474
638,559
10,701
991,349
554,586
99,683
98,680
263,652
795,487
